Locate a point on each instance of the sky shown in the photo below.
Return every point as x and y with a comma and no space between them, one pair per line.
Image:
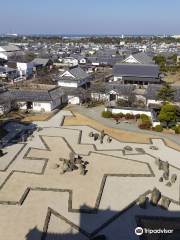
90,17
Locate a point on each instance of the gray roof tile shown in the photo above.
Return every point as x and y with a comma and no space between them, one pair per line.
36,95
136,70
143,58
153,89
121,89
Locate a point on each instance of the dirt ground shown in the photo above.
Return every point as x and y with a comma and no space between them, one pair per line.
37,117
173,78
115,133
28,117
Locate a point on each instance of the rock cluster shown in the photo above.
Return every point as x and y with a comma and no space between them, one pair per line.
74,162
100,137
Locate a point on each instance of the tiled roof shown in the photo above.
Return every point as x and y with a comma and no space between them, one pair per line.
36,95
10,48
138,70
120,88
6,69
77,72
74,91
40,61
153,89
143,58
5,96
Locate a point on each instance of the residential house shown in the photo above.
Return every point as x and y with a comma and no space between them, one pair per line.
8,73
107,52
38,98
75,77
111,92
70,62
93,60
8,51
25,69
152,96
81,59
98,93
139,58
89,68
3,62
75,95
117,91
107,57
40,63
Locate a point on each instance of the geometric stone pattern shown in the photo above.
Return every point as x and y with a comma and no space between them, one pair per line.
44,199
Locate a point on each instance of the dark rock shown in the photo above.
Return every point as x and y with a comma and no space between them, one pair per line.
165,202
155,196
173,178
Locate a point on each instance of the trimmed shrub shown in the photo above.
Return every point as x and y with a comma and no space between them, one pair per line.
128,116
144,117
121,115
158,128
132,116
145,122
145,125
177,129
137,116
115,116
106,114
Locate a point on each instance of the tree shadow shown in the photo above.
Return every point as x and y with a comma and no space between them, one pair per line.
20,136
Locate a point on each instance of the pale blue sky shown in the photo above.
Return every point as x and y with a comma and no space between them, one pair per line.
90,16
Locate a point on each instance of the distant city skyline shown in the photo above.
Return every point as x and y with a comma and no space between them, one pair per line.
103,17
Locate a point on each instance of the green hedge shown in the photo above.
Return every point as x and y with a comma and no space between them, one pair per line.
145,122
144,117
177,129
106,114
145,125
158,128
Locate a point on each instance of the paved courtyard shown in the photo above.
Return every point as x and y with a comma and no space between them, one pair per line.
37,202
